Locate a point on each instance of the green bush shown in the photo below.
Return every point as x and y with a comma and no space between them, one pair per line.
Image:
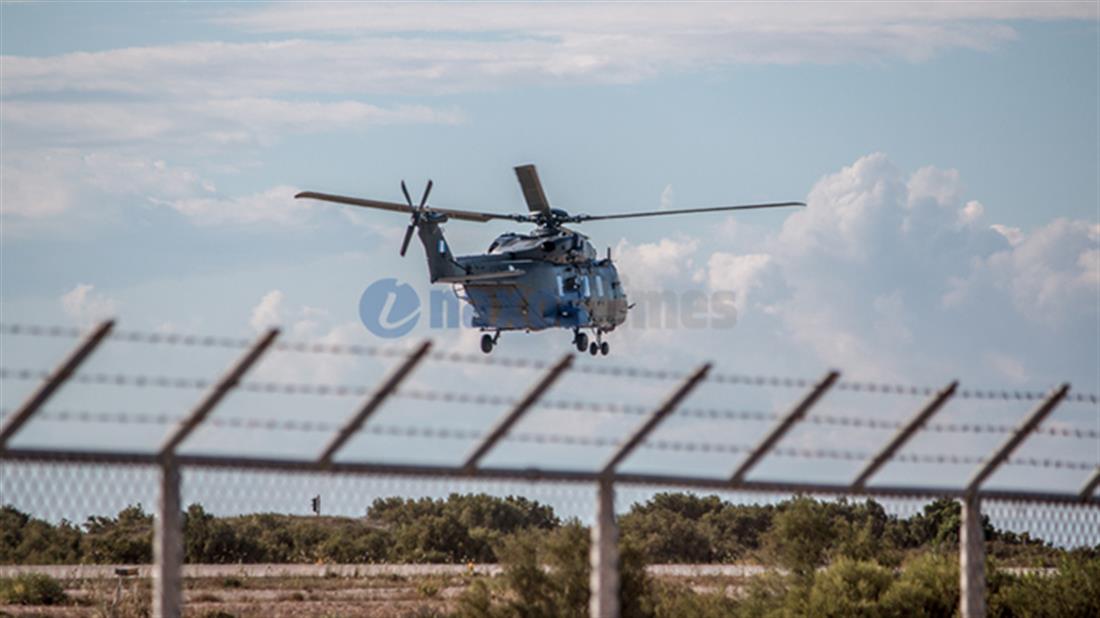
927,587
800,536
1072,590
31,589
849,588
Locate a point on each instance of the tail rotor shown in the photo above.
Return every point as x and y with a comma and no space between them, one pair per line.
417,212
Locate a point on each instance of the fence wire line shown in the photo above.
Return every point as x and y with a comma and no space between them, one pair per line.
340,390
604,370
464,434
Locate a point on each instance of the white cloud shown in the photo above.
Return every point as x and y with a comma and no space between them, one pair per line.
653,267
1012,234
389,51
878,262
275,205
304,323
243,120
845,210
86,306
268,312
1051,273
931,183
971,213
739,274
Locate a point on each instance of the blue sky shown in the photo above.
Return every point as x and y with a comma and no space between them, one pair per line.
948,153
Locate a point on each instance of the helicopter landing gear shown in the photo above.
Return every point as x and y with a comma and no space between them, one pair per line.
580,340
488,341
599,346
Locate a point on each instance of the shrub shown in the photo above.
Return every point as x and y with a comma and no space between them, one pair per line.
800,536
927,587
849,588
1073,590
31,589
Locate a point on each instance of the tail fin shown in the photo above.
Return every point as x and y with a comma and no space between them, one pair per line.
441,262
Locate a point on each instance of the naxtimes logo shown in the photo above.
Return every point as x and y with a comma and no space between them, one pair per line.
389,309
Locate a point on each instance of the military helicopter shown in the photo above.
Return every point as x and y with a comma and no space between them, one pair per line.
551,277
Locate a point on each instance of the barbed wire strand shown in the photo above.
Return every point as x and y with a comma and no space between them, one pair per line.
253,423
342,390
509,362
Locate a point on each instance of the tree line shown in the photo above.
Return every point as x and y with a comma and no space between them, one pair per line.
800,533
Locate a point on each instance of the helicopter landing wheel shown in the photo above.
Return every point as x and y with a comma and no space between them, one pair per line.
487,343
605,348
581,339
594,348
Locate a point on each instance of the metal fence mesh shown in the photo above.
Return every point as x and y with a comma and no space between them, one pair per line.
281,432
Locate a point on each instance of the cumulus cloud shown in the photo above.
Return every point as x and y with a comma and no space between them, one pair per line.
86,306
1051,273
881,260
739,274
656,266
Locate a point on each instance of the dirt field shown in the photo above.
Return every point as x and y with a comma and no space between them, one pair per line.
277,591
386,596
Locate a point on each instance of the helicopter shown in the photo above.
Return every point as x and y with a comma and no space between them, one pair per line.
551,277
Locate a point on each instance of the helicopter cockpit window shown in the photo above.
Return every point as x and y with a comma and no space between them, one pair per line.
502,242
599,286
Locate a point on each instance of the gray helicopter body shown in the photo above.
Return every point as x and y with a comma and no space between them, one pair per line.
550,278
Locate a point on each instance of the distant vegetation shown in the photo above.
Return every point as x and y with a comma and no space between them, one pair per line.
837,558
671,528
926,585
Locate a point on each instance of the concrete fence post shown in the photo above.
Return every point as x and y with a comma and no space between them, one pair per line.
971,560
604,602
168,544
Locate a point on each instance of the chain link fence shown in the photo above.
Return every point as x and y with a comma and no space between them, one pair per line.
102,447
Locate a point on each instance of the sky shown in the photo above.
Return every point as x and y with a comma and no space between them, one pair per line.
947,153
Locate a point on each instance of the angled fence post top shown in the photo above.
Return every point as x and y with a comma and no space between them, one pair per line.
903,435
1090,485
658,415
796,414
505,424
42,394
375,401
1022,432
225,384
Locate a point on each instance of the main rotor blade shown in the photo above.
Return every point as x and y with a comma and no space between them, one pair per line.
532,189
683,211
408,237
462,215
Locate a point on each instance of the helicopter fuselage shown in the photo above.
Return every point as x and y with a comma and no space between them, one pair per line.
551,278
